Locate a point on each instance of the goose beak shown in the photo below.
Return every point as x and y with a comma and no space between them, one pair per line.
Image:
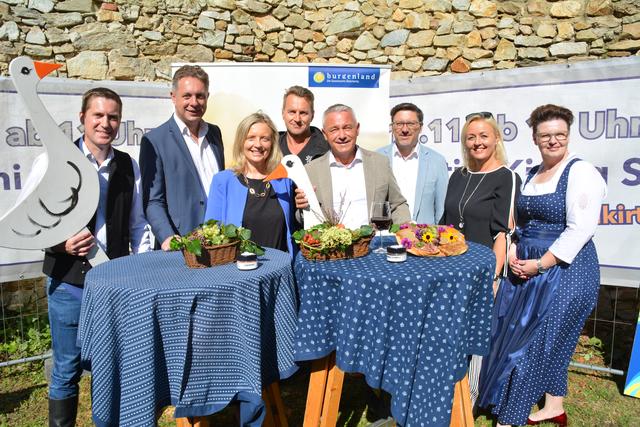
44,68
278,172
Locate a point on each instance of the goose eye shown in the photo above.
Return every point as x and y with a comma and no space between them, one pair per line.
25,71
289,163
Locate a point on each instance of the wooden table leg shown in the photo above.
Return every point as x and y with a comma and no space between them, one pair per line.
461,411
316,391
276,416
192,422
332,394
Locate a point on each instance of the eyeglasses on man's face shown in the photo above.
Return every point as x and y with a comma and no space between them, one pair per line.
546,137
483,114
410,125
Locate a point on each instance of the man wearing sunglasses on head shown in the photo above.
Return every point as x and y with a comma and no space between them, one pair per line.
420,171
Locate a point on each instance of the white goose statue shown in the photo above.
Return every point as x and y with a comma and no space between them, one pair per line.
66,195
291,167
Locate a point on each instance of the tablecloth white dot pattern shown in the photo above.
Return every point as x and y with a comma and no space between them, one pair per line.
408,327
157,334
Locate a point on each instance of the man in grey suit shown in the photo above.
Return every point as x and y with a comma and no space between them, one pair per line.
349,178
420,171
179,158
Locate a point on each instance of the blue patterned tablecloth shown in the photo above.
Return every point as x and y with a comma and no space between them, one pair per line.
407,326
157,333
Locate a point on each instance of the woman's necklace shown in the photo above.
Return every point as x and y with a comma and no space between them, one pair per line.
461,206
253,191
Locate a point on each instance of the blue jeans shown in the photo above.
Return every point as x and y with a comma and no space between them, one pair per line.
64,314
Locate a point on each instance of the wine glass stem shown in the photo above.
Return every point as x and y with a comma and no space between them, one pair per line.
380,236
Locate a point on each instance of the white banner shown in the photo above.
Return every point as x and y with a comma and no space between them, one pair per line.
605,100
239,89
145,106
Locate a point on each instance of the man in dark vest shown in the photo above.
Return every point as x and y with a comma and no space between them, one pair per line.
117,224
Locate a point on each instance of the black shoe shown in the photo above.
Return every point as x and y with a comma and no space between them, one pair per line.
62,413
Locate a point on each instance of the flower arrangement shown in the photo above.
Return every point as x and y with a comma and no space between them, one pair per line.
430,240
214,243
328,241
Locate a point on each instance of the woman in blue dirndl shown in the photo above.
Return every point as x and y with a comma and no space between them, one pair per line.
553,284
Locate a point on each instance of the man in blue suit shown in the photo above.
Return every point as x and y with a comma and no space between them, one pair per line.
420,171
179,158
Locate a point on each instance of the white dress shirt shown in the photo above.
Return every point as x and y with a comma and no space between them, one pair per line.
202,155
405,169
349,191
585,192
138,227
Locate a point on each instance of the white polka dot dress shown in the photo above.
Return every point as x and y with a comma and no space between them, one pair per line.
536,323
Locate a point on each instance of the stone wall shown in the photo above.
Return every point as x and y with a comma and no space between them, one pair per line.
139,39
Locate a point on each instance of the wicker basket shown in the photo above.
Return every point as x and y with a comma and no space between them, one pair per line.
358,249
212,255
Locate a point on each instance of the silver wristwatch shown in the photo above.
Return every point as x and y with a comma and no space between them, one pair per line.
541,269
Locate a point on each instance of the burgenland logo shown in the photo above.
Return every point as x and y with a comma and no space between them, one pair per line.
318,77
352,77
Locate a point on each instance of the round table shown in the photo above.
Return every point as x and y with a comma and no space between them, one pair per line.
158,333
408,327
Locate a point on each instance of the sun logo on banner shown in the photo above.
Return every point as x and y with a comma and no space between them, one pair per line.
318,77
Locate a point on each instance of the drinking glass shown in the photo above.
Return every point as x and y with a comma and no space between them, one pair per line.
380,215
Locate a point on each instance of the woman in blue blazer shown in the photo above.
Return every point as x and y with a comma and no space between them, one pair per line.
240,196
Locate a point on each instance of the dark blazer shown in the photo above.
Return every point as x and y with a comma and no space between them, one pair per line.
173,197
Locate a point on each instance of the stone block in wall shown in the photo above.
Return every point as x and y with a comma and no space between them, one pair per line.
421,38
344,45
546,29
483,8
9,48
433,5
444,27
212,38
482,64
511,7
533,53
63,49
505,51
178,26
88,65
474,53
490,44
412,64
205,23
37,50
449,40
435,64
486,22
302,35
35,36
106,15
624,45
83,6
538,7
63,20
57,36
460,65
474,39
366,41
9,31
531,41
627,7
222,4
126,68
508,33
566,49
97,37
44,6
253,6
488,33
506,22
296,21
197,53
269,24
605,21
630,31
505,65
159,49
414,4
463,27
526,30
565,30
343,25
566,9
461,4
395,38
598,7
239,16
152,35
417,21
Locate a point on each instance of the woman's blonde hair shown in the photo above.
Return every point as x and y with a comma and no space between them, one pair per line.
501,153
239,159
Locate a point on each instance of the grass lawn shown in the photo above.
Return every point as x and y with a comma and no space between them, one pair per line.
594,399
